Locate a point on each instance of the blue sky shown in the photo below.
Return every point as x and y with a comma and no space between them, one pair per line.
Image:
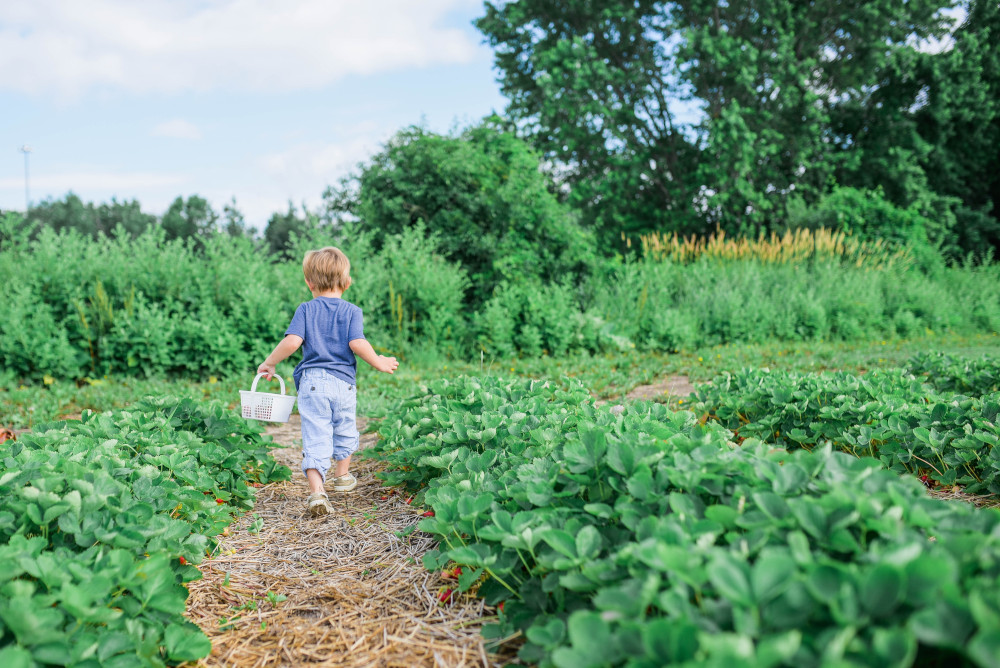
254,99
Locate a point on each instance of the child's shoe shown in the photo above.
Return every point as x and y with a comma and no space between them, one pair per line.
345,483
319,504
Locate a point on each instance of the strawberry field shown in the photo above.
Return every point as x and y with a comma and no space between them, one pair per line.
776,517
650,537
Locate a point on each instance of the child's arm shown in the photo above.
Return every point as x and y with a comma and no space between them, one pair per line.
364,350
288,345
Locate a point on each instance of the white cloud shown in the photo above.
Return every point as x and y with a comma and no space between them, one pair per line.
62,48
177,129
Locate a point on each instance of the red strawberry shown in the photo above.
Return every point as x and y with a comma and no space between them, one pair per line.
500,607
429,513
457,571
183,561
220,501
445,596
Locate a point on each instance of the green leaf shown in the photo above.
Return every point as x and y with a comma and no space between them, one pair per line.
186,642
771,575
547,635
591,636
984,648
894,647
561,541
729,577
13,656
588,543
882,590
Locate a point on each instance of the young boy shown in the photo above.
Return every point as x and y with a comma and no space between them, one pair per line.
330,331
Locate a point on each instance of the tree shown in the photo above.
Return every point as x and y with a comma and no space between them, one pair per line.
960,124
191,218
600,86
234,224
482,192
281,227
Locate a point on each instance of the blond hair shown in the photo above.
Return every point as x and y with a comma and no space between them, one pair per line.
327,269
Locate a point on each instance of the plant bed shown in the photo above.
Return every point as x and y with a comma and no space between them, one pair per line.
102,522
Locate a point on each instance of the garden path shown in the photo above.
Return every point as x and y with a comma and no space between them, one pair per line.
357,594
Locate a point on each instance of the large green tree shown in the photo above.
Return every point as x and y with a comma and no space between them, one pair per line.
481,192
190,218
600,86
960,123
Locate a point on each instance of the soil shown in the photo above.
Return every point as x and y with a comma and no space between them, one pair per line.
671,386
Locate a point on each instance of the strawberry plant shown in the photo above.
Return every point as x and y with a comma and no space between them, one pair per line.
889,415
647,538
948,373
101,521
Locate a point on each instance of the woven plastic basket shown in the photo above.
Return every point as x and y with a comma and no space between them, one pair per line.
266,406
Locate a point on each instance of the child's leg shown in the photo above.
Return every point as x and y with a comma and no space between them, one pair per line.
345,428
315,479
343,467
316,412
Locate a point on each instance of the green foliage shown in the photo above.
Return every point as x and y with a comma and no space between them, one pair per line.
888,415
217,305
869,216
647,539
533,319
960,122
71,213
483,195
98,519
787,95
948,373
189,219
667,306
279,235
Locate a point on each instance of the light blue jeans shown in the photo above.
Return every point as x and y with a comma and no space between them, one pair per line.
328,408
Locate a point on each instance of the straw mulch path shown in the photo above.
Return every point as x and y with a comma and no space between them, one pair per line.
357,594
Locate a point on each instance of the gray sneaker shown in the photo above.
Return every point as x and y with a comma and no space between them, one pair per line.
319,504
345,483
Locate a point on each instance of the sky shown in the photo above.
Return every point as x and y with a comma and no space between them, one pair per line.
259,100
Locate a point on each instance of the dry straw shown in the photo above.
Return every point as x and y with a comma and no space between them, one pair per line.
357,594
793,247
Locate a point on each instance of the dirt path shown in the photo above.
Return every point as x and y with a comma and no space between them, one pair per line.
356,592
675,386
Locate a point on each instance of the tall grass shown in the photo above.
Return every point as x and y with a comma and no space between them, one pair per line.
793,247
669,306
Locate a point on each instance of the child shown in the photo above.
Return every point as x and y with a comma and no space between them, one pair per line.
331,333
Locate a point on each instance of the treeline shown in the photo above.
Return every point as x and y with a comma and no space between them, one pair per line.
193,217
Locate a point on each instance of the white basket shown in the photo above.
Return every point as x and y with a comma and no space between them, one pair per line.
265,405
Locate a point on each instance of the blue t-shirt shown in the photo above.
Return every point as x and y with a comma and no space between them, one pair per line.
327,326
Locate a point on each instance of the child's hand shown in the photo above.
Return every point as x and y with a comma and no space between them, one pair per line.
387,364
267,370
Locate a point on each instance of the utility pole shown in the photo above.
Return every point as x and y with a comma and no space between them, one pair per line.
25,149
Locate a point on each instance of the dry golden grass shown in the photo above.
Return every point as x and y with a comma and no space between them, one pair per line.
790,248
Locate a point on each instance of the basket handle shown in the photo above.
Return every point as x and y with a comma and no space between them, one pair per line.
253,388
